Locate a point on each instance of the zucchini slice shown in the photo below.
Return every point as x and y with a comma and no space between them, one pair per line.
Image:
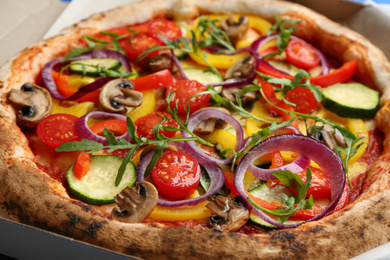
98,186
271,195
353,100
109,63
202,76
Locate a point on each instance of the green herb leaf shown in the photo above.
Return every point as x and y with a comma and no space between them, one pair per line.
83,145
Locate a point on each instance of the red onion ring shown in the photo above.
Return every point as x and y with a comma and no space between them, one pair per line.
256,45
50,85
198,117
215,173
83,131
306,146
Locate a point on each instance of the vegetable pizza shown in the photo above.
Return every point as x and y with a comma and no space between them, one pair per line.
201,130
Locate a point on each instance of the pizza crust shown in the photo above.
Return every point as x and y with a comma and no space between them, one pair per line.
34,198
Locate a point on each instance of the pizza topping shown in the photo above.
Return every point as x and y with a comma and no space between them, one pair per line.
232,92
235,30
243,68
207,126
327,159
57,129
118,96
230,214
84,132
135,203
159,63
326,134
35,104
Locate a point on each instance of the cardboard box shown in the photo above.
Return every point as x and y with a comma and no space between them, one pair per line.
25,22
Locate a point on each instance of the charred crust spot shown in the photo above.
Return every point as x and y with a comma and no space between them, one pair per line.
301,247
283,236
92,229
378,217
316,230
73,219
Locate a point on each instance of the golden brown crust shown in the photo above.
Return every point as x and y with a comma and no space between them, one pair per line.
36,199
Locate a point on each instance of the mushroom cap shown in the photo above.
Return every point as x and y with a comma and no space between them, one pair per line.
135,203
159,62
230,213
207,126
242,68
330,136
235,30
34,104
118,96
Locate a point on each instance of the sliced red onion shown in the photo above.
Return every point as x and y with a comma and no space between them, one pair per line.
198,117
83,131
215,173
178,66
51,86
299,165
306,146
256,45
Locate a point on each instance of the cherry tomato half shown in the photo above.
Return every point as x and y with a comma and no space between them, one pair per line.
176,174
165,28
303,98
302,54
183,90
146,123
57,129
139,43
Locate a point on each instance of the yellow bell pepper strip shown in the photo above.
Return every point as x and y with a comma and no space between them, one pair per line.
72,108
148,105
259,110
198,211
226,61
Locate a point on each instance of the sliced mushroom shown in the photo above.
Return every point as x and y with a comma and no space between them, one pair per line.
34,104
135,203
159,62
329,136
118,96
207,126
231,92
242,68
235,30
230,214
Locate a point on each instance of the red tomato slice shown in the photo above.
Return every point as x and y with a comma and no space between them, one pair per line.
183,90
340,75
146,123
176,174
269,93
165,28
302,54
116,126
139,43
57,129
160,79
303,98
81,166
319,185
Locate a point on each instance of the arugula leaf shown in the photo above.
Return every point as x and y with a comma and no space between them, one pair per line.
291,203
283,36
83,145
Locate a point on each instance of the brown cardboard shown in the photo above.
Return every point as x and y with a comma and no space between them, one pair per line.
22,23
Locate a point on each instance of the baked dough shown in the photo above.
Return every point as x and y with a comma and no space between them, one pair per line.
32,197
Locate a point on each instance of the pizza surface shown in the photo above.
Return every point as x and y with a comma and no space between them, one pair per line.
46,188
